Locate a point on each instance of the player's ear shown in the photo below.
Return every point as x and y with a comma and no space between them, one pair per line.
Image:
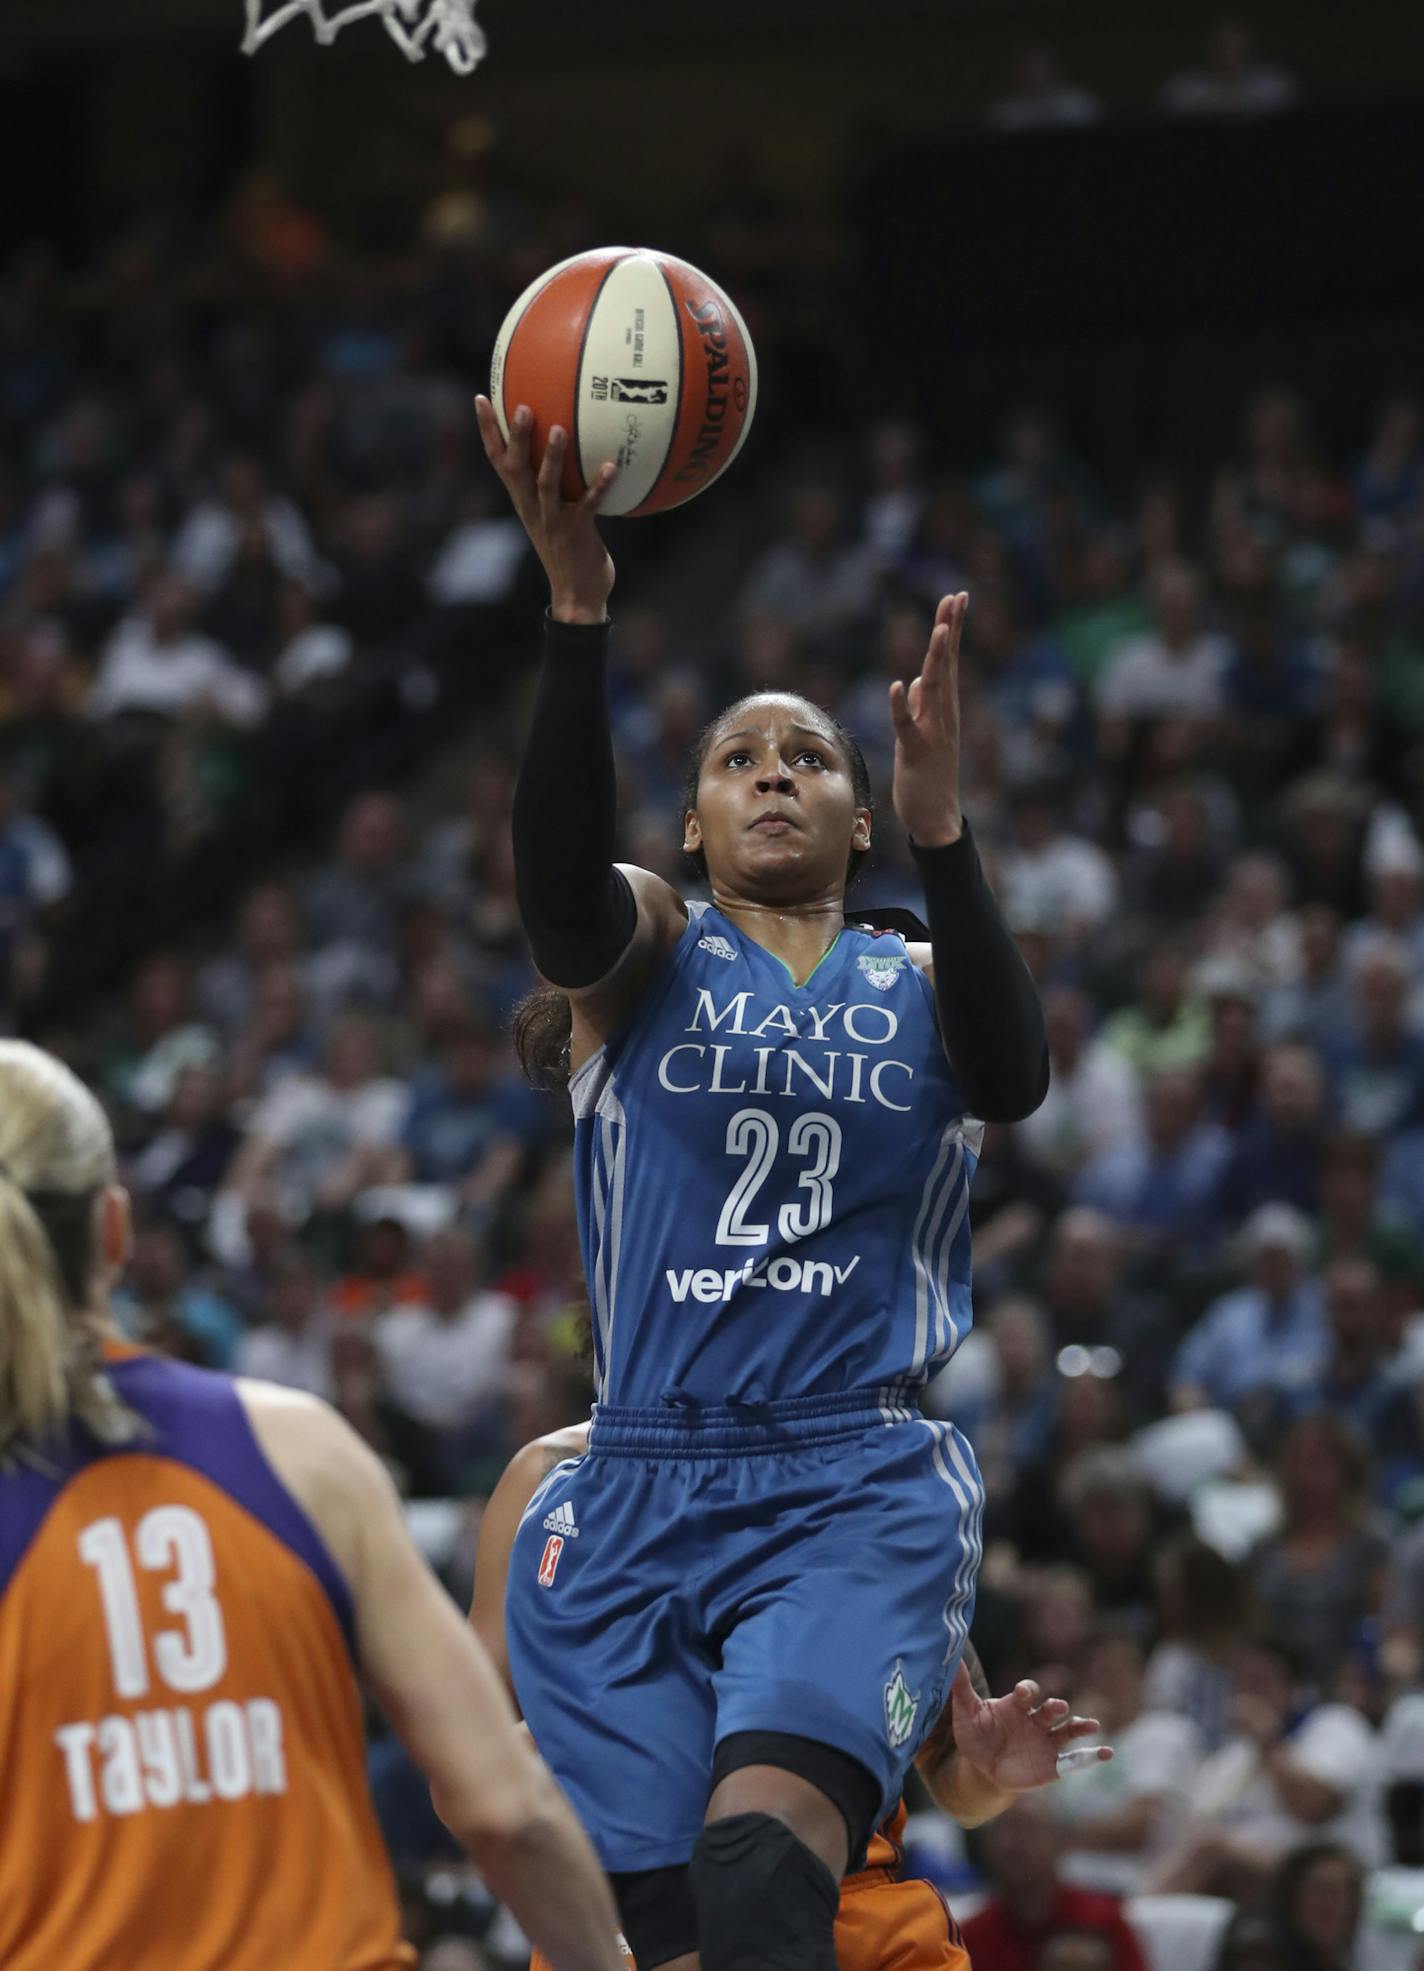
860,831
115,1228
691,833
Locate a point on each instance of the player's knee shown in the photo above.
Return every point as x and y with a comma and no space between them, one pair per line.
764,1901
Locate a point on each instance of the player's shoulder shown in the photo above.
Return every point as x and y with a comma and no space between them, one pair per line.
921,956
531,1465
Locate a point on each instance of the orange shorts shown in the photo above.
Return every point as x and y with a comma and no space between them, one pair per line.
881,1926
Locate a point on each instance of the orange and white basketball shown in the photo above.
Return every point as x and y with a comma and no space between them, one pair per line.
642,360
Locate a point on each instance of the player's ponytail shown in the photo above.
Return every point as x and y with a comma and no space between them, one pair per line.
56,1158
543,1029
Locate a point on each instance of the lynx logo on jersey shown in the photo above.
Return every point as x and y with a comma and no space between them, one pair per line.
548,1566
881,972
719,946
900,1710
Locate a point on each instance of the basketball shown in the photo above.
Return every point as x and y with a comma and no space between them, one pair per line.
643,360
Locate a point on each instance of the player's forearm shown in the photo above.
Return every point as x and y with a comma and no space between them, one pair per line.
966,1794
547,1873
577,909
989,1012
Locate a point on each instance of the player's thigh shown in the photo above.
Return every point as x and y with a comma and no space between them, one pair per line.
897,1926
848,1634
608,1674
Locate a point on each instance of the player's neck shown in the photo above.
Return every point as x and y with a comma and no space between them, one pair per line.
799,934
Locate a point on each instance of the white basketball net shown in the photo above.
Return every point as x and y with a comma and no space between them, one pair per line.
447,26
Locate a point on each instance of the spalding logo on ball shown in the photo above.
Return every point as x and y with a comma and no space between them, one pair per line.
642,360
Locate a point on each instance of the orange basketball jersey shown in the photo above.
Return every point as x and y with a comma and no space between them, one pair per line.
882,1924
181,1744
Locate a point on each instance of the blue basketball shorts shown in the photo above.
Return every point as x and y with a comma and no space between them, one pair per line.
804,1567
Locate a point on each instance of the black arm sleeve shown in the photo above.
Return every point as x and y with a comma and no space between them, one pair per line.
577,908
989,1013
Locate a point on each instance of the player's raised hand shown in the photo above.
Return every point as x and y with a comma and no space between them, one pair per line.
925,716
1017,1741
564,532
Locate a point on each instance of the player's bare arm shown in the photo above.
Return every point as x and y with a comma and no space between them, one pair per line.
519,1481
442,1695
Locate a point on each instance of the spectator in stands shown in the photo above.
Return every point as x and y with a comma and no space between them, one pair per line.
1231,1070
470,1127
1040,98
1232,80
1319,1893
158,665
1113,1526
1314,1006
269,933
1377,1069
812,580
1203,1612
161,1305
446,1362
383,1274
1116,1827
1163,1190
323,1137
1322,1574
294,1346
1168,1026
1403,1610
1177,669
1292,1771
1090,1303
1032,1903
161,1039
1394,868
354,903
1048,871
1268,1336
1355,1383
1092,1106
184,1162
1279,1148
1174,873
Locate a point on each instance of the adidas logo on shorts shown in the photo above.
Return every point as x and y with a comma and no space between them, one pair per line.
561,1520
719,946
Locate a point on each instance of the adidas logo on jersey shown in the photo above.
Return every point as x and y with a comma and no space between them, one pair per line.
719,946
561,1520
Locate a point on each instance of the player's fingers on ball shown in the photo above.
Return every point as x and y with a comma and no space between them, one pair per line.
1053,1710
1026,1693
1077,1728
516,451
602,485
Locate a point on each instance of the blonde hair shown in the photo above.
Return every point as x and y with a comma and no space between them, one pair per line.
56,1159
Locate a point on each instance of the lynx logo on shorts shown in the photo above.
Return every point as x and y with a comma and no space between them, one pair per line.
881,972
719,946
548,1566
900,1709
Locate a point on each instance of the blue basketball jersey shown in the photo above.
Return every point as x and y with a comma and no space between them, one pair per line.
773,1180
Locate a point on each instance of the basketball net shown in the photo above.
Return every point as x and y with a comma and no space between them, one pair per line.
447,26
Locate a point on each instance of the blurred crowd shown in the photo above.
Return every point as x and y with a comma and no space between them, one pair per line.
266,636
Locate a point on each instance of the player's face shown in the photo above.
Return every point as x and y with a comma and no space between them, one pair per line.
776,813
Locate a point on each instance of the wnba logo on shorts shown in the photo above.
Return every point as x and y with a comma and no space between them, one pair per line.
553,1547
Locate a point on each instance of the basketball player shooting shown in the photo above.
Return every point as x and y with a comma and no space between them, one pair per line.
753,1610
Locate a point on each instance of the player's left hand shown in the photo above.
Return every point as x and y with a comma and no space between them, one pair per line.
925,716
1016,1741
